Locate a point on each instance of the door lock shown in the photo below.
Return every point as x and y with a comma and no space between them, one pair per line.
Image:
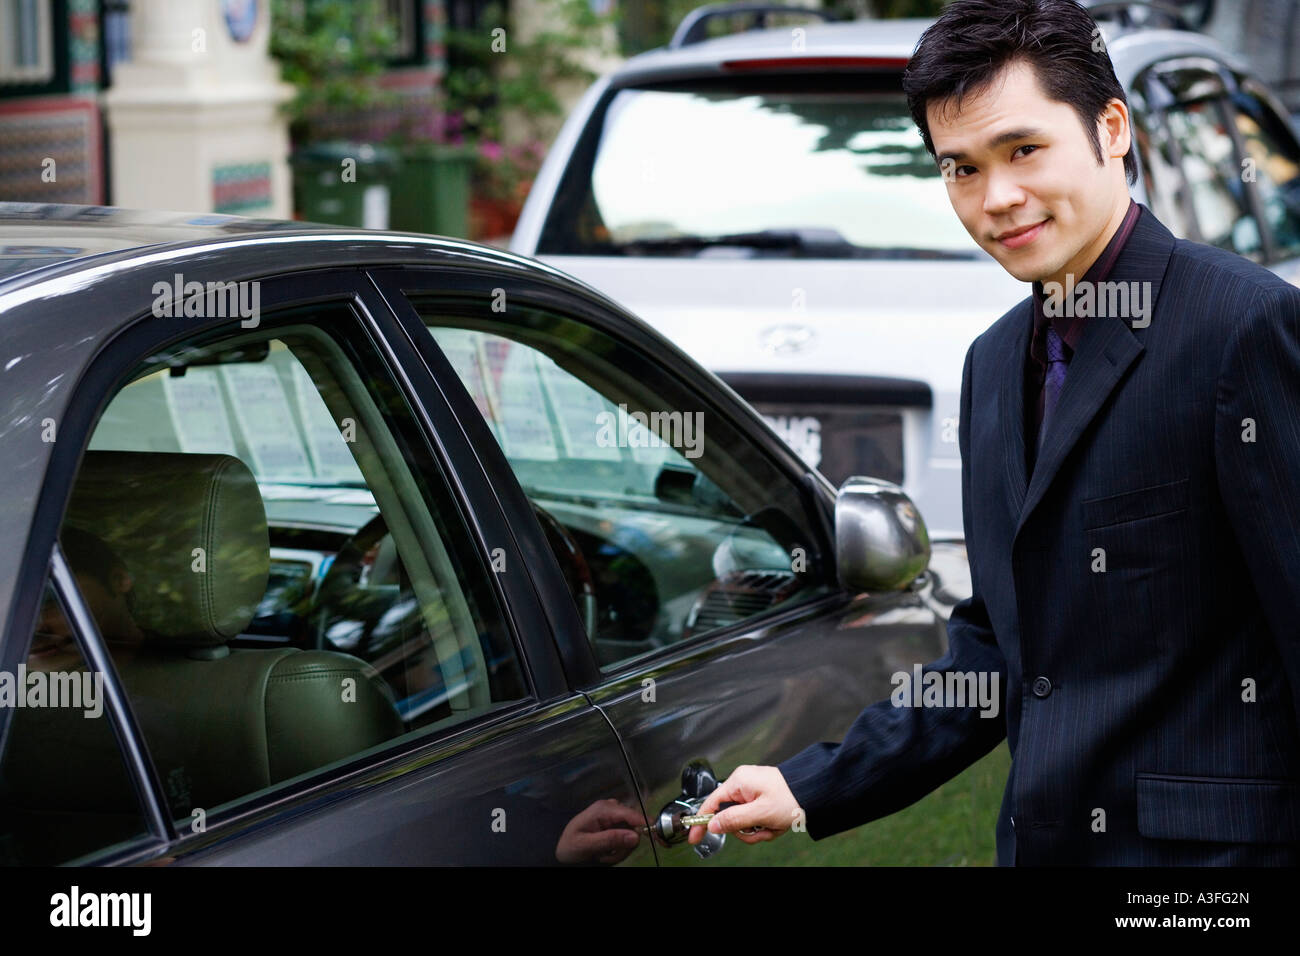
698,781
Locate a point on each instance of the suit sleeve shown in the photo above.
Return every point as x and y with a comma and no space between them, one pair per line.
1259,471
892,756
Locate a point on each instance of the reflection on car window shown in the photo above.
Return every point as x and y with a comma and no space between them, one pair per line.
666,521
64,788
1159,160
1191,159
1274,166
293,574
711,159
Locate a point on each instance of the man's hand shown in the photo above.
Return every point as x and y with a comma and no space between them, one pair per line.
603,833
766,802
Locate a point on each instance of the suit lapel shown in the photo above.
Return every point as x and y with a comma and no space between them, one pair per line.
1012,405
1107,347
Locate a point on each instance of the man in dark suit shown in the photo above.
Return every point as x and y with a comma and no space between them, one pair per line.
1130,446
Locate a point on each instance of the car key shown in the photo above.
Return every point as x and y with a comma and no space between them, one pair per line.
702,819
685,821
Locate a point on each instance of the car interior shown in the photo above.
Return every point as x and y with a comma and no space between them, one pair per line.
297,595
667,532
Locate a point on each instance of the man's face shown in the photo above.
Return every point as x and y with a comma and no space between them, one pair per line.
53,645
1012,158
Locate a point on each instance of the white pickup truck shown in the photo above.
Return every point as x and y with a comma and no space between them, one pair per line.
764,199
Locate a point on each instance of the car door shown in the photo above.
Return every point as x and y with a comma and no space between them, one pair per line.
366,676
694,550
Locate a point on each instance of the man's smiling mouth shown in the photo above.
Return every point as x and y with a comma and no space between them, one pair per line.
1015,238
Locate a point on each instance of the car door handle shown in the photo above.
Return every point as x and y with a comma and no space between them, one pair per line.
698,781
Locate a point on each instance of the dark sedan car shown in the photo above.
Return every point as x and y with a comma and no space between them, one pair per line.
330,546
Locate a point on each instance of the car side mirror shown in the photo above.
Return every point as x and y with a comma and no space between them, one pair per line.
881,543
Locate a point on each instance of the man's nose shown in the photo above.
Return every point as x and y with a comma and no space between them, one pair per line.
1002,193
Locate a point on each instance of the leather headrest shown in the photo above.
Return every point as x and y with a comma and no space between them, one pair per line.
191,530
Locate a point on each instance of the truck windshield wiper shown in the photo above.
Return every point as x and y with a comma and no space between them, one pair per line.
811,242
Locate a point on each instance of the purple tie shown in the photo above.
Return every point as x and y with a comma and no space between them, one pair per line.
1056,366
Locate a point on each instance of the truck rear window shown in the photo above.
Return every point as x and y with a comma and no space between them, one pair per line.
789,165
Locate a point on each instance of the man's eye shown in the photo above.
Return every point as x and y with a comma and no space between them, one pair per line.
958,171
1019,148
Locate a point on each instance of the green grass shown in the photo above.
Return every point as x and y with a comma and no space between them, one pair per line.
952,826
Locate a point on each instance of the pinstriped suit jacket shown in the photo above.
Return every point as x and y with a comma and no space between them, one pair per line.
1137,595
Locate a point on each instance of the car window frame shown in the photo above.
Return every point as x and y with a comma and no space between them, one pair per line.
1248,84
1146,79
137,760
1230,78
105,373
592,309
1154,73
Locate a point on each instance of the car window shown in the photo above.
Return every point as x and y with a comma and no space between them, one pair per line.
64,789
1274,167
667,521
1190,157
844,163
294,584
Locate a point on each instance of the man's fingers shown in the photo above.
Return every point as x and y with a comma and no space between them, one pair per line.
743,817
591,845
747,788
725,792
609,814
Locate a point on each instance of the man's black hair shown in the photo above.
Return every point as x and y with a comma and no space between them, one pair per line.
973,40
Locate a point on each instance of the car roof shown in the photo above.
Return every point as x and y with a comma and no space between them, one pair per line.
887,39
43,245
52,238
884,38
51,255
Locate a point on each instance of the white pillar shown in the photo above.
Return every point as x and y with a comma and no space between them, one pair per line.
194,119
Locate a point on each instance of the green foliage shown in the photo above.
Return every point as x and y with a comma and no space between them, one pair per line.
333,52
891,9
648,24
491,74
525,75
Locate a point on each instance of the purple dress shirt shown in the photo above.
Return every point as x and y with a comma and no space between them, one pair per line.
1069,328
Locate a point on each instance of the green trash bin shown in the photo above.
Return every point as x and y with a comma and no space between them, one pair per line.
431,190
348,184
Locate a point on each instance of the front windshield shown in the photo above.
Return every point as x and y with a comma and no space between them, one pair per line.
684,161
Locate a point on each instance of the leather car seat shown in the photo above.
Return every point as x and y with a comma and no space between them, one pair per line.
220,723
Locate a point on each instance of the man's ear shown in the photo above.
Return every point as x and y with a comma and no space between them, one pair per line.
1116,131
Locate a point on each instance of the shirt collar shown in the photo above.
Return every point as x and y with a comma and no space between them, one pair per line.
1070,328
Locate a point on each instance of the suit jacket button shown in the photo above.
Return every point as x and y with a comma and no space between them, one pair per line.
1042,686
